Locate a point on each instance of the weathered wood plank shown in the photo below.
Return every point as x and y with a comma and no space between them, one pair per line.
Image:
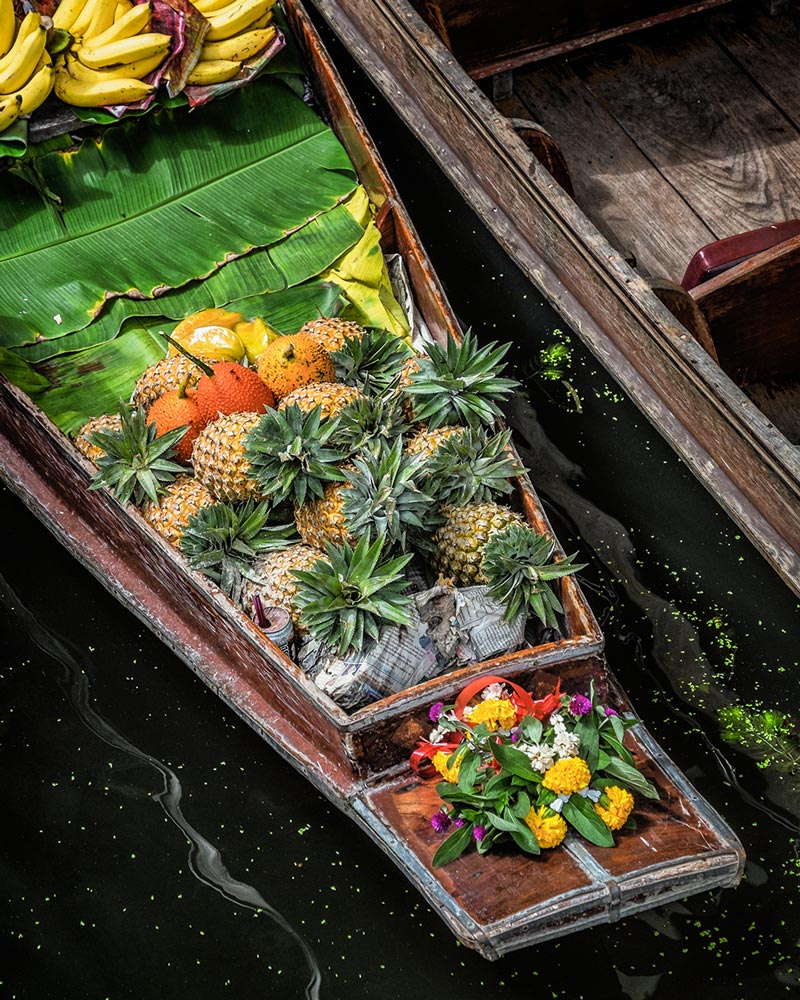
617,186
699,118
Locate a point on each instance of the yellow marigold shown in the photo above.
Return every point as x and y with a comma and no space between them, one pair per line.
548,830
495,712
440,760
567,776
616,814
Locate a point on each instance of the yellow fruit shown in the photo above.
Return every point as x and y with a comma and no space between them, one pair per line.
294,360
105,422
218,458
276,584
331,396
179,501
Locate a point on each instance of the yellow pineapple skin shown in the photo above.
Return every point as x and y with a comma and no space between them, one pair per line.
331,332
164,376
330,396
180,500
105,422
426,442
461,540
276,586
219,461
321,520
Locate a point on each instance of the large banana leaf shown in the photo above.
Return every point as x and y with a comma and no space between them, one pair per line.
161,201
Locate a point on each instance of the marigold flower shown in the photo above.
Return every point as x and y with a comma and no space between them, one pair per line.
440,760
548,830
567,776
615,814
495,712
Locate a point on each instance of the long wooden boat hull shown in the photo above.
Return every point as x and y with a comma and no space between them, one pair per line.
359,760
725,440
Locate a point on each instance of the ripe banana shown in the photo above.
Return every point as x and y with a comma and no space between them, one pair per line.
66,13
123,6
99,93
102,20
209,71
130,24
9,111
8,26
87,15
17,67
207,7
240,47
125,50
37,89
235,18
135,70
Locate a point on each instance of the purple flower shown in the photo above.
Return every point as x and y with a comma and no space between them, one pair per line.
440,821
580,705
610,711
479,832
436,711
458,821
514,735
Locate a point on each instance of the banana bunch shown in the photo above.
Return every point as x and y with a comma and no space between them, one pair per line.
238,30
26,69
113,49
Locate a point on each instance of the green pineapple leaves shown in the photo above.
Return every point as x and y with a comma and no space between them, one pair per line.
345,599
516,564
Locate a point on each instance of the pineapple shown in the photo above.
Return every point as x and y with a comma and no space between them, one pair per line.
321,519
180,500
331,397
344,599
369,424
516,564
105,422
223,540
135,465
164,376
459,384
460,541
220,461
426,442
289,454
470,467
331,332
272,578
372,362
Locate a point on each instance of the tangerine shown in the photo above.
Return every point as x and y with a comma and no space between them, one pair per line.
295,360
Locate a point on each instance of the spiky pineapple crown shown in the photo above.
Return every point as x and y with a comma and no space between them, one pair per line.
136,465
223,540
383,500
345,599
471,467
290,456
371,362
516,563
369,424
459,384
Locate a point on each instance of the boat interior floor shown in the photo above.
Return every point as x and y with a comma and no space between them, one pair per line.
677,136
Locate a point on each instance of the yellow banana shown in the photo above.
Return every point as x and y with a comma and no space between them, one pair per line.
8,26
66,13
209,71
135,70
37,89
240,47
130,24
29,26
235,18
124,50
103,19
86,16
18,65
207,7
9,111
100,93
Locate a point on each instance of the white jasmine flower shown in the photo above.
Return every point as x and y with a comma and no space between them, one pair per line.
495,690
540,755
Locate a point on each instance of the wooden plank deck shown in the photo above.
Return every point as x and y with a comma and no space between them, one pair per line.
695,129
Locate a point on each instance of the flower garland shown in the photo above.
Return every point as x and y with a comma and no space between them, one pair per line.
526,770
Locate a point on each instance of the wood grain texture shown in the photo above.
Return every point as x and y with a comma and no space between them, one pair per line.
618,187
719,141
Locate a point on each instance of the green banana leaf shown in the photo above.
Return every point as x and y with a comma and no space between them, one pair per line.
190,189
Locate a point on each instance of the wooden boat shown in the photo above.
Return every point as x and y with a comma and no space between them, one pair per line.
659,156
359,759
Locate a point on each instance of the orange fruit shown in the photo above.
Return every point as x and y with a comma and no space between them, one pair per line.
174,409
295,360
231,388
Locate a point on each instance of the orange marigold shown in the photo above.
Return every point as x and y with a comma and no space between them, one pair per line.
567,776
615,814
548,830
440,760
495,712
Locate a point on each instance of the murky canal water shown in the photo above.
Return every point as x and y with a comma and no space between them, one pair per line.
154,847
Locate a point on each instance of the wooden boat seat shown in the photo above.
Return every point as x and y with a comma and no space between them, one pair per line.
714,258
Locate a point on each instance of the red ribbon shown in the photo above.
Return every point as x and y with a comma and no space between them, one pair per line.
422,757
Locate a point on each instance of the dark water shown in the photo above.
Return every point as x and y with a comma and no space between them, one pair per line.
153,847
